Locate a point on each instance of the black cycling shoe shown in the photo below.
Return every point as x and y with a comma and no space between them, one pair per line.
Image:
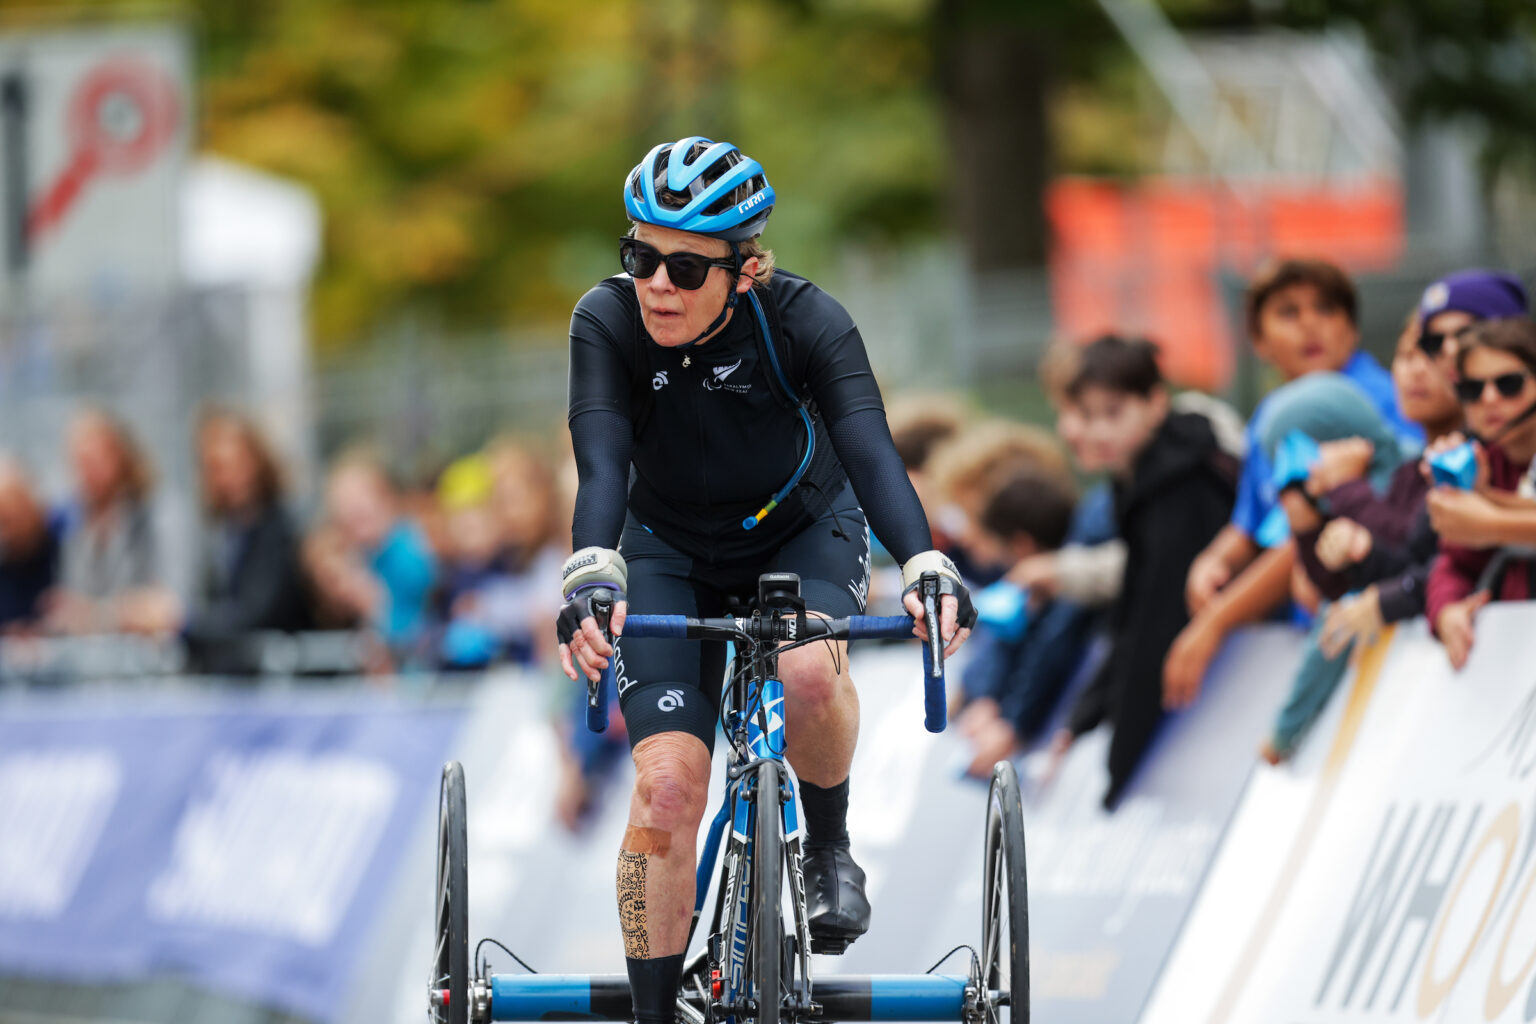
836,907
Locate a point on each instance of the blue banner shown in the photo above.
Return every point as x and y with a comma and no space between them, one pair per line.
235,841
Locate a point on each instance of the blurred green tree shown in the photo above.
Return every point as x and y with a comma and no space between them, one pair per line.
469,153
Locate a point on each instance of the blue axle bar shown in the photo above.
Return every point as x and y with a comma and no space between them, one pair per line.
910,997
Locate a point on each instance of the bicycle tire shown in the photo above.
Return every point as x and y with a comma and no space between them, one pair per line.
767,878
450,960
1005,900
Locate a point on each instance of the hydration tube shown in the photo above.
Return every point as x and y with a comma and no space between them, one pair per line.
810,430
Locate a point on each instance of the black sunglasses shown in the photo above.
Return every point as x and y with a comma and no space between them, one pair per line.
687,270
1470,389
1432,343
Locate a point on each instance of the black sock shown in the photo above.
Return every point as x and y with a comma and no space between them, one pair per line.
826,815
653,986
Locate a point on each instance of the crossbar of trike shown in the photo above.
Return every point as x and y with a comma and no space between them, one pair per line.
911,997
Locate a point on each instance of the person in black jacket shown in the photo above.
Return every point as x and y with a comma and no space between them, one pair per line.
1173,488
251,579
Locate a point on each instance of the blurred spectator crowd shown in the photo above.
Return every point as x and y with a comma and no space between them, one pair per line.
454,576
1109,557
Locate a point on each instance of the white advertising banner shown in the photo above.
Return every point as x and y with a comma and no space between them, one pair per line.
1388,876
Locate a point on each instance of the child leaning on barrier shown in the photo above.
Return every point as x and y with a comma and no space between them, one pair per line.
1087,570
1026,650
1173,491
1384,548
1089,567
970,466
1301,316
1496,361
1319,433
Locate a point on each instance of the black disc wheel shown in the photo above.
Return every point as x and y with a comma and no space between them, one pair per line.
1004,904
767,878
449,986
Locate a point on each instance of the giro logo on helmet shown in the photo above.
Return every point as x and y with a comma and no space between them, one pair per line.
754,201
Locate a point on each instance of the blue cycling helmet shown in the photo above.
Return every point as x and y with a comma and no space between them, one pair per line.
700,186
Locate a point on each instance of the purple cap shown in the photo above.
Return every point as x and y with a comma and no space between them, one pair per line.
1486,294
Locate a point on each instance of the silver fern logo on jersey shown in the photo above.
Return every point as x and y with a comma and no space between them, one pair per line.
718,379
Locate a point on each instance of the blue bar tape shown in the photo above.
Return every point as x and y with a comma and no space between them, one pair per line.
667,627
874,627
597,713
935,705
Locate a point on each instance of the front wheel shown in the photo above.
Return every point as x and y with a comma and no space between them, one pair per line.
767,877
1004,904
448,994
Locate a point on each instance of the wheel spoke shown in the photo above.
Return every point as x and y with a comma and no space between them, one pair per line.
994,917
1004,959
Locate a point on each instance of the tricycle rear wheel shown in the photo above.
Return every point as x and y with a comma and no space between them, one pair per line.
1004,904
449,985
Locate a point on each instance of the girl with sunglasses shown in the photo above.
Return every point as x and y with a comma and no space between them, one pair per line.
1384,549
1496,361
725,423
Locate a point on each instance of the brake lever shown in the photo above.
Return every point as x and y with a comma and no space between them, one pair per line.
930,594
935,702
597,689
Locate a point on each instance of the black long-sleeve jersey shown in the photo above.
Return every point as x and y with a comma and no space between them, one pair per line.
710,442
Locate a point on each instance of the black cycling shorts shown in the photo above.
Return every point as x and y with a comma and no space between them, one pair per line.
675,685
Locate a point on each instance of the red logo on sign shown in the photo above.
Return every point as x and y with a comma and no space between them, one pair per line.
120,116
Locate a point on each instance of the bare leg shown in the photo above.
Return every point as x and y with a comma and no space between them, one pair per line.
821,715
657,859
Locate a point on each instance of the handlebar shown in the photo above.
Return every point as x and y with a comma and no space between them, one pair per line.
767,630
681,627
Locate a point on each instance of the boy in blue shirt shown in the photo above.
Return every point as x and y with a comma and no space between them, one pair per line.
1301,316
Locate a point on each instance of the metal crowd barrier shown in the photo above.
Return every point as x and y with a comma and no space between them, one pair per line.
62,660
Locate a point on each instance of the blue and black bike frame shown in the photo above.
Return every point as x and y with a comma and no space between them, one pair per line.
717,982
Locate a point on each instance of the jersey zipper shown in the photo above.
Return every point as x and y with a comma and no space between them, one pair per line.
698,414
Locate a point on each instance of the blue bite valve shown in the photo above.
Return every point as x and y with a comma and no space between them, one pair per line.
1455,467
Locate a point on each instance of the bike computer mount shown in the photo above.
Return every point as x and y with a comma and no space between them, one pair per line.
780,591
780,614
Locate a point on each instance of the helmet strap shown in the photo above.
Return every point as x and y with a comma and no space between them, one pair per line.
730,303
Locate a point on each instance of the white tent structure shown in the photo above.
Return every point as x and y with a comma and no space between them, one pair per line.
258,235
